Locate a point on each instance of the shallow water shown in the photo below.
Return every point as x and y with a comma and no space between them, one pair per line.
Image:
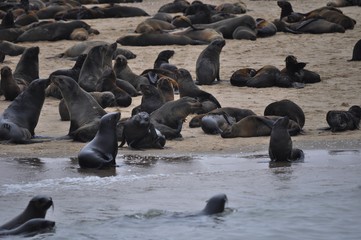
150,198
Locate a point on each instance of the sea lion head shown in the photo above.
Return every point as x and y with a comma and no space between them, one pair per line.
281,122
215,204
142,119
6,72
40,204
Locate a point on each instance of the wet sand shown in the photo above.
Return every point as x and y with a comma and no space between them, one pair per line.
326,54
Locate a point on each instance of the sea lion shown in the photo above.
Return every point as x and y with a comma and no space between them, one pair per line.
264,77
240,77
10,34
163,58
140,133
30,228
153,25
151,99
84,48
244,32
254,126
102,150
97,61
123,71
26,18
163,16
74,71
169,118
234,8
126,86
280,145
265,28
85,112
344,120
118,11
207,65
105,99
79,34
216,123
202,35
166,89
9,87
10,49
27,68
215,204
344,3
18,121
287,108
36,208
174,7
287,12
356,53
187,87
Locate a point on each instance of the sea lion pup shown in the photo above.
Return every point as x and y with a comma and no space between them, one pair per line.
36,208
187,87
215,204
263,77
234,113
166,88
287,108
207,65
287,13
356,53
151,99
105,99
79,34
97,61
123,71
102,150
27,68
344,120
107,82
18,121
216,123
140,133
280,145
163,59
84,111
30,228
84,48
153,25
255,126
169,118
9,87
240,77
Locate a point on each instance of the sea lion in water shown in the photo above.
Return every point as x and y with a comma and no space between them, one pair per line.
102,150
280,146
215,204
344,120
27,68
85,112
140,133
9,87
30,228
36,208
207,65
18,121
356,53
169,118
287,108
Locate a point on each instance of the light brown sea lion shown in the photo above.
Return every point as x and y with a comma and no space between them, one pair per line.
165,86
202,35
79,34
153,25
9,87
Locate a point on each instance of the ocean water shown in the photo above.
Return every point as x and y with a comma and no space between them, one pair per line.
154,197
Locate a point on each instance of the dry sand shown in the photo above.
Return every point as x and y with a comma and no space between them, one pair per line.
326,54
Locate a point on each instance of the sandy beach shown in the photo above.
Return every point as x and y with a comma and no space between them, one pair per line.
326,54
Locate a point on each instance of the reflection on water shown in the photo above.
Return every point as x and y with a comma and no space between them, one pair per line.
152,197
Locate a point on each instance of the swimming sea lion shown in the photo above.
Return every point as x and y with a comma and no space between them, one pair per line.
102,150
18,121
36,208
9,87
85,112
280,146
140,133
215,204
207,65
344,120
287,108
30,228
27,68
169,118
356,53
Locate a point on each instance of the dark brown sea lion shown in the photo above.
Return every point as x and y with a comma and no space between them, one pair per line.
267,76
356,53
97,61
234,8
11,49
30,228
123,71
140,133
169,118
187,87
280,146
287,108
36,208
107,82
9,87
208,65
27,68
26,19
240,77
163,58
344,3
120,11
311,25
216,123
10,34
102,150
215,204
85,112
153,25
244,32
265,28
151,99
344,120
254,126
18,121
287,13
236,113
174,7
202,35
50,11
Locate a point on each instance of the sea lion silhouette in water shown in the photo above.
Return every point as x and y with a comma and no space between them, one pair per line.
36,208
356,53
215,205
18,121
103,149
344,120
30,228
140,133
280,146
